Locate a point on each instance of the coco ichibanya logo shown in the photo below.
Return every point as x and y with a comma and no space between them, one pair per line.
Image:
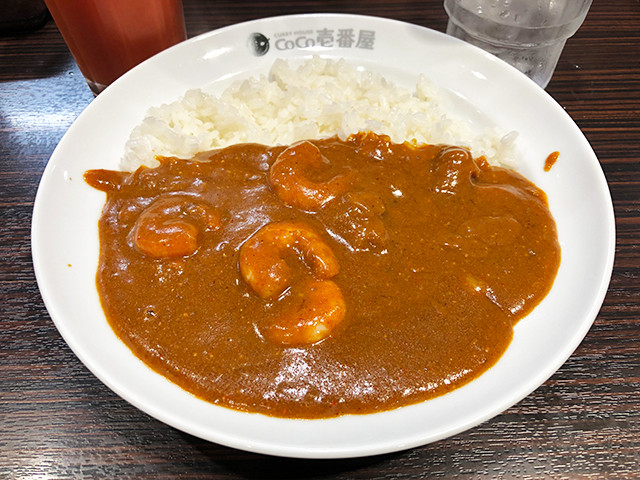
325,37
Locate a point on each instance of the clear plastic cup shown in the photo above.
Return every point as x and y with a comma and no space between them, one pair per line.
528,34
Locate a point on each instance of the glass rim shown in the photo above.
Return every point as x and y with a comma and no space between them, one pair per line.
453,9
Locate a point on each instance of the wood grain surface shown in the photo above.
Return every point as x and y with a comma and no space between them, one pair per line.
57,421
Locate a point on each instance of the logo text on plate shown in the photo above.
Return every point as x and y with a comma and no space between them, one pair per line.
326,37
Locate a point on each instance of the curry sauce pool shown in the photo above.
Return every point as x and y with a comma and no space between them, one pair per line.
325,278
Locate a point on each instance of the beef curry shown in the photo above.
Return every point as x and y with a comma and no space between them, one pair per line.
325,278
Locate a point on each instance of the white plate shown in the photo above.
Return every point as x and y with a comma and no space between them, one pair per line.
65,234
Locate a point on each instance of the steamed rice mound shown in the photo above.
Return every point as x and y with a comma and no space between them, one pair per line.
317,99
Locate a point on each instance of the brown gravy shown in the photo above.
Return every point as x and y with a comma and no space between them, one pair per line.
551,161
439,256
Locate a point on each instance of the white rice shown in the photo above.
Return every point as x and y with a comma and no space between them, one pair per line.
320,98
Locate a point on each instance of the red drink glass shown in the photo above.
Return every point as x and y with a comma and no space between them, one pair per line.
109,37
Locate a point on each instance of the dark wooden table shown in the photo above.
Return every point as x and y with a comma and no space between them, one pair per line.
58,421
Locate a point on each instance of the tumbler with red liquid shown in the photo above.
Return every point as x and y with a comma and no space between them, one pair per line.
109,37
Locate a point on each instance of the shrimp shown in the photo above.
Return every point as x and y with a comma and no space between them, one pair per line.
287,178
262,263
448,169
356,220
319,307
170,226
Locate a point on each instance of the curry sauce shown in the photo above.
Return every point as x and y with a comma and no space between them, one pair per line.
326,278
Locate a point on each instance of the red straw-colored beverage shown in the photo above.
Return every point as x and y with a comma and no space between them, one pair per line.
109,37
